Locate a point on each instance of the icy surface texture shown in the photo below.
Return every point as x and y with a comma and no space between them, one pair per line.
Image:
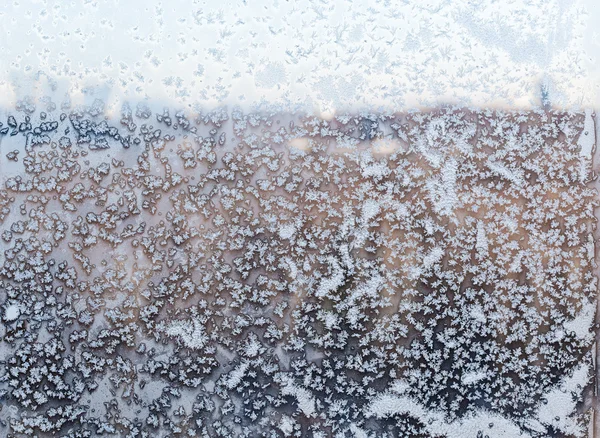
226,274
325,54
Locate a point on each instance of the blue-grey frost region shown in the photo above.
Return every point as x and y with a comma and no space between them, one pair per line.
231,274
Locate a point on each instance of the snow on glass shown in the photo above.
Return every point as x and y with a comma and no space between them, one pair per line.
226,274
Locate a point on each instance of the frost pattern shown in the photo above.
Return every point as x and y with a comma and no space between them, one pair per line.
249,274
